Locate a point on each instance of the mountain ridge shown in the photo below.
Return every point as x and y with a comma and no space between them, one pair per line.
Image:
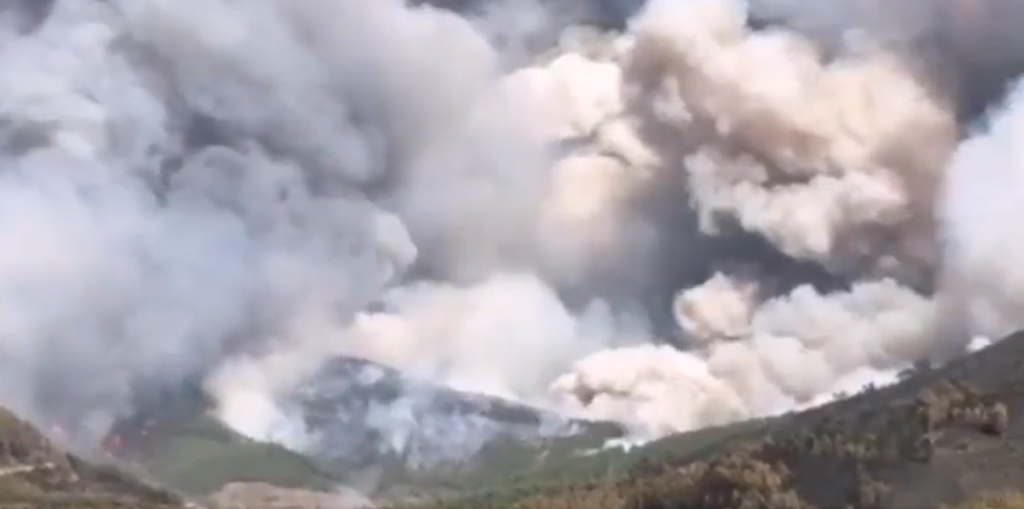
939,437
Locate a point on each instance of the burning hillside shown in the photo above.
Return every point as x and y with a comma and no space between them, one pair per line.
739,201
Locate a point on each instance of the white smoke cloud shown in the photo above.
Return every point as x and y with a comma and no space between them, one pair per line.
983,291
217,190
112,284
505,337
657,389
810,154
226,175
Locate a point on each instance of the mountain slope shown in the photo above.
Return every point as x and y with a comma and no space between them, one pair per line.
940,437
366,417
368,426
35,474
178,442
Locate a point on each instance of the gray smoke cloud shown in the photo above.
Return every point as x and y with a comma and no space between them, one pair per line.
217,189
226,190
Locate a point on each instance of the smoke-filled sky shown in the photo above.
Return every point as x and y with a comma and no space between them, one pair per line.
724,210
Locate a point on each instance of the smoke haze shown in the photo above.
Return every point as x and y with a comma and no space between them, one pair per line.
723,210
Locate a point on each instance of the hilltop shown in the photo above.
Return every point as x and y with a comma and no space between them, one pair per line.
368,426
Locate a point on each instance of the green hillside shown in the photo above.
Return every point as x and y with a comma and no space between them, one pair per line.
950,437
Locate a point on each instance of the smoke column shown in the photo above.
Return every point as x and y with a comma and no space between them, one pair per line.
695,220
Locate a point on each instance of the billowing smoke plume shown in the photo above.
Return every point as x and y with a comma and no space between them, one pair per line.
981,196
724,211
215,190
832,150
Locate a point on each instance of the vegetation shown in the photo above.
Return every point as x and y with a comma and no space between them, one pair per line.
1006,500
940,438
947,438
180,444
201,455
34,474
